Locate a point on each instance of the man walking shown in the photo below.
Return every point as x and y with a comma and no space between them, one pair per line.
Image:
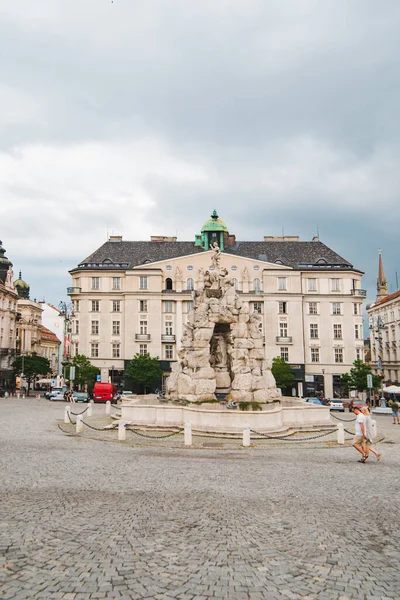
361,435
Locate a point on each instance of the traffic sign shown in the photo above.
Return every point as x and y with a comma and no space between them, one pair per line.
369,381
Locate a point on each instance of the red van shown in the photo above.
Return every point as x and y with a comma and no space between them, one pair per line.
104,391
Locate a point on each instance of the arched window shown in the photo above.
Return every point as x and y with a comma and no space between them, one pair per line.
168,283
256,285
235,283
189,284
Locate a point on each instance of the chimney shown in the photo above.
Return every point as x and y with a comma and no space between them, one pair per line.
162,238
115,238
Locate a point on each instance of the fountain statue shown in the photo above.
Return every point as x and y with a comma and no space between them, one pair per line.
222,346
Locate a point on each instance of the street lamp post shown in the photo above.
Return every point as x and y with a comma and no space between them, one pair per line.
376,326
67,314
323,381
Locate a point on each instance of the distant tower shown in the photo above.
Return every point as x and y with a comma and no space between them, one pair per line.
381,286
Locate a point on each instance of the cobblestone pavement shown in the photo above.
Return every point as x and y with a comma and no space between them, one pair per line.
85,518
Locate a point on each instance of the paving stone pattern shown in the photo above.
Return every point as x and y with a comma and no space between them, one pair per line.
88,518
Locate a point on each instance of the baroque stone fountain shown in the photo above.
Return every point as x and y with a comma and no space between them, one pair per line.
222,346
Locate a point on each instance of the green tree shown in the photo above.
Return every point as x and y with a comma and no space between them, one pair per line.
145,370
356,379
282,372
31,365
85,372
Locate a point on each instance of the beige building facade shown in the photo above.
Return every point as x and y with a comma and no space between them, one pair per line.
134,297
384,325
8,317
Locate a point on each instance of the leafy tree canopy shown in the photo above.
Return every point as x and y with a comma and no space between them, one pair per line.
145,370
282,372
31,365
357,377
85,372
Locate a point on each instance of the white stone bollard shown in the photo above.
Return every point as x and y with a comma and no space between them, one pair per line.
374,428
18,395
340,433
188,434
66,414
79,424
121,431
89,410
246,435
108,407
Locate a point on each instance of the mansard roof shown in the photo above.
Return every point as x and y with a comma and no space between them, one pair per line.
312,255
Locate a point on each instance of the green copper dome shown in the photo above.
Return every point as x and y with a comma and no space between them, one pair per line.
4,262
21,287
214,224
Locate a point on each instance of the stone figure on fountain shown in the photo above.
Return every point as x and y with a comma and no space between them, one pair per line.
222,346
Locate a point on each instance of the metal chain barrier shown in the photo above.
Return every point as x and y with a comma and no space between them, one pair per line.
286,439
71,421
155,437
97,428
344,420
81,413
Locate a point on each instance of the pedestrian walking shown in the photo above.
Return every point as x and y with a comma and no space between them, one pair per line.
370,435
395,412
360,435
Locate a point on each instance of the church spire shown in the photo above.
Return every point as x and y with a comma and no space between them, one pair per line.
381,287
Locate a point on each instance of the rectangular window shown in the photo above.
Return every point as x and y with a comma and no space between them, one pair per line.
313,308
359,354
314,331
76,349
257,307
95,305
315,355
143,283
285,353
189,306
75,305
95,283
283,329
337,331
116,350
355,309
143,327
116,283
338,355
282,283
94,350
116,306
336,308
335,285
282,308
116,329
143,349
312,284
358,332
143,305
169,351
95,328
168,328
168,306
76,327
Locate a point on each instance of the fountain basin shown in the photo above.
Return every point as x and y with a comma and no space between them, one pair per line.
273,418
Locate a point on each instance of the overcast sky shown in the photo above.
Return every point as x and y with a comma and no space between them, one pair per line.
139,117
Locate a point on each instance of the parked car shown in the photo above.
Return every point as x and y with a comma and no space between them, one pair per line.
55,390
80,396
58,396
336,405
315,401
127,393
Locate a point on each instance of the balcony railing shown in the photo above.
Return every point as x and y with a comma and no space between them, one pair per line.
356,292
73,290
167,338
142,337
280,339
